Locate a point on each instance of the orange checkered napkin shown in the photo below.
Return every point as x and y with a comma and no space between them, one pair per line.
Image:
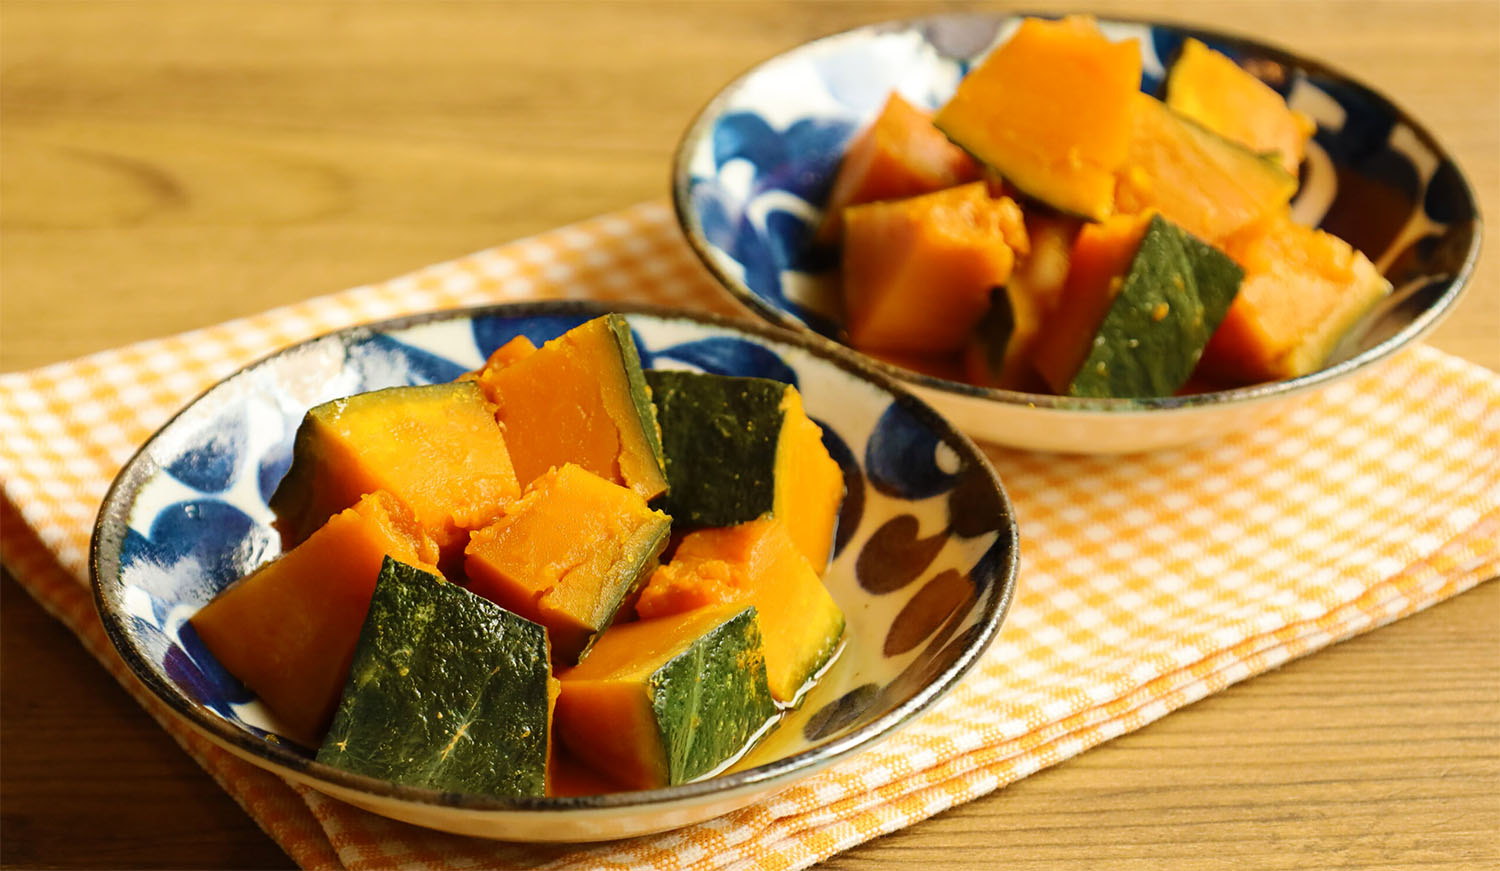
1147,582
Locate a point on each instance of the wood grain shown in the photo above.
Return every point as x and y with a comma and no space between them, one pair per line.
167,165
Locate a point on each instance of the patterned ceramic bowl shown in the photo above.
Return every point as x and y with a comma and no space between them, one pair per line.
924,569
753,171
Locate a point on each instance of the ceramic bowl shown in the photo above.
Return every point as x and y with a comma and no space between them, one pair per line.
924,565
753,171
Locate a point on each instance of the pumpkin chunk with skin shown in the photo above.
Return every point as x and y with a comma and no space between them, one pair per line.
917,273
1050,109
1160,313
446,691
289,629
565,554
1194,177
665,701
755,563
740,448
1303,290
1209,88
436,448
899,155
580,398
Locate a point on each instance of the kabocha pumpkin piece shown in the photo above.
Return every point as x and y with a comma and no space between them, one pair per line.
917,273
447,691
666,701
1194,177
1209,88
1303,290
758,564
436,448
1170,301
999,353
740,448
1100,257
565,554
1050,110
580,398
503,356
901,154
289,629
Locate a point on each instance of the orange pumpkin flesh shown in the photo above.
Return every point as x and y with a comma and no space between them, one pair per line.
899,155
755,563
565,554
436,448
1100,257
1207,87
571,401
918,272
1050,110
1197,179
604,715
288,630
808,501
503,356
1303,289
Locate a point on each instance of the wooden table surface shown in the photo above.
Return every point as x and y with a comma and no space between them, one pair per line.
170,164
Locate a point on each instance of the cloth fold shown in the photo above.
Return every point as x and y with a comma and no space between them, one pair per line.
1147,582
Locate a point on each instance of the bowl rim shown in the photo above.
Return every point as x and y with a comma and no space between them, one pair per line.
701,126
104,564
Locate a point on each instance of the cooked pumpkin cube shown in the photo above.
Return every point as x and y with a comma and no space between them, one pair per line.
436,448
565,554
288,630
580,398
1207,87
660,702
1194,177
917,273
741,448
1303,290
1141,301
901,154
1050,109
755,563
447,691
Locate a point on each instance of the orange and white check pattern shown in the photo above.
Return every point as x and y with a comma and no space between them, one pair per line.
1147,582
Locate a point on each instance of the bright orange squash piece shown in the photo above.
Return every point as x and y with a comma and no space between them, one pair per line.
580,398
1197,179
918,272
758,564
1100,257
503,356
1207,87
1050,109
1303,289
436,448
289,629
565,554
899,155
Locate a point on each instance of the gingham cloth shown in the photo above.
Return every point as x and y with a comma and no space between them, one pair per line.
1147,582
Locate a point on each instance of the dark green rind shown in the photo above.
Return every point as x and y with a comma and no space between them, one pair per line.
711,700
720,435
1134,354
631,572
640,393
995,330
447,691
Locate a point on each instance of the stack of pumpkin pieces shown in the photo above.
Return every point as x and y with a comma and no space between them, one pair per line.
1054,229
473,570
